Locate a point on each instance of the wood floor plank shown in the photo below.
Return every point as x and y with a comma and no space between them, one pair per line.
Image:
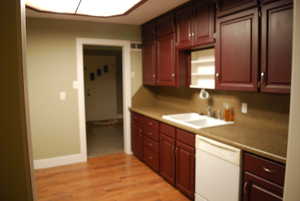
116,177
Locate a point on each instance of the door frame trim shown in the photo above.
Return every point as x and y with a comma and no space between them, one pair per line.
126,66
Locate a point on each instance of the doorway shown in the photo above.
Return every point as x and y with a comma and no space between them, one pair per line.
124,118
103,99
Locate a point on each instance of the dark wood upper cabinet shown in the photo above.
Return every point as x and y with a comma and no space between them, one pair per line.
149,31
203,23
149,62
226,7
195,25
166,60
276,46
167,158
185,169
184,27
237,51
165,25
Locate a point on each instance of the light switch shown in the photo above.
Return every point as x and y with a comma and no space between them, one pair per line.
62,95
244,108
75,84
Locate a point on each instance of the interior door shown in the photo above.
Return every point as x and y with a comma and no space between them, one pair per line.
237,51
276,46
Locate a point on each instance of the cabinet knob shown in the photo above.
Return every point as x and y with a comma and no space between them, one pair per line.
193,34
173,74
262,76
153,75
217,75
190,35
267,170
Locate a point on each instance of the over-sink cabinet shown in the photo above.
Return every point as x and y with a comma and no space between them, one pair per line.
253,49
167,150
195,24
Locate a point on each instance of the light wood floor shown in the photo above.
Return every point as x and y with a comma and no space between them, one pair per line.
116,177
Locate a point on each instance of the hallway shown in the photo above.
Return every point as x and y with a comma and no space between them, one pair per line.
104,139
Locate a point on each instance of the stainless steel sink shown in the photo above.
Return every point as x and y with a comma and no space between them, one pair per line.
195,120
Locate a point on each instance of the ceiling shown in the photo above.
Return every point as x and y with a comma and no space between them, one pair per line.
147,11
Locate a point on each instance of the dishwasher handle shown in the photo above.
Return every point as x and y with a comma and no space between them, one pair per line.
219,145
220,150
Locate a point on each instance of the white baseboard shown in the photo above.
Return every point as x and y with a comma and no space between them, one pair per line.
59,161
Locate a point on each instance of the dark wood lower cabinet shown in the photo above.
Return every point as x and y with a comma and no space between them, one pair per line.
185,169
263,179
167,158
137,142
258,189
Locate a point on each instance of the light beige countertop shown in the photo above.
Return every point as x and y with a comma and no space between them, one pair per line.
263,141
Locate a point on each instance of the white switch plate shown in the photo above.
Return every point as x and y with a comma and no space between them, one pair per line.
62,95
244,108
75,84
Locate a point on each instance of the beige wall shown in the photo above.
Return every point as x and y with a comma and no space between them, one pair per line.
15,182
101,93
137,77
292,181
52,68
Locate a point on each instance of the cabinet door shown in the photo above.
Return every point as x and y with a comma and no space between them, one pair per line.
137,142
149,31
276,58
183,28
237,51
167,158
203,23
149,62
166,60
257,189
185,169
226,7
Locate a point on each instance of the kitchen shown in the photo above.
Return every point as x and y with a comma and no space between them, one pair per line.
214,118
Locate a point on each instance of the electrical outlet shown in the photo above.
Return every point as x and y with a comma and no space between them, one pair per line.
62,95
244,108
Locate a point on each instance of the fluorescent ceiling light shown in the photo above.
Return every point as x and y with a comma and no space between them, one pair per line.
58,6
103,8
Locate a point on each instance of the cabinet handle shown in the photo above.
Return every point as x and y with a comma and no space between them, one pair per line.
245,190
267,170
153,75
173,74
190,35
193,34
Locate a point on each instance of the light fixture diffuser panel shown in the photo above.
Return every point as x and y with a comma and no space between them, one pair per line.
106,8
57,6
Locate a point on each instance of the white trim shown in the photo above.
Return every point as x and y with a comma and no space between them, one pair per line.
126,65
59,161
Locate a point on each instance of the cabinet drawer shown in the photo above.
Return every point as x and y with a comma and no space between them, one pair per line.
136,118
167,130
151,158
150,124
151,144
185,137
151,133
266,169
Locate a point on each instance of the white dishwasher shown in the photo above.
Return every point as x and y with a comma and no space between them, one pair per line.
217,171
